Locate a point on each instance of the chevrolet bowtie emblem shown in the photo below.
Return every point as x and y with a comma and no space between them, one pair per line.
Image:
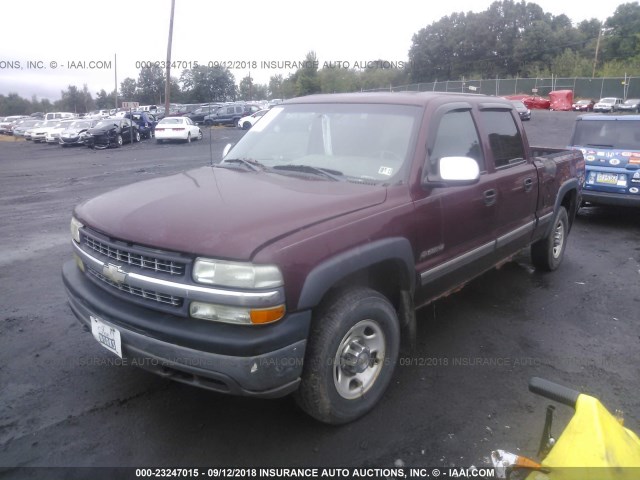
114,273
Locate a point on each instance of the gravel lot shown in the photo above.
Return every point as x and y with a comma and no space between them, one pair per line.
65,401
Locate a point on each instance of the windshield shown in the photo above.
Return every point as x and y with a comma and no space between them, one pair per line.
614,134
608,100
79,125
164,121
362,142
107,123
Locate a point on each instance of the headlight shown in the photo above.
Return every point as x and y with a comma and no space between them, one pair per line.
235,274
75,229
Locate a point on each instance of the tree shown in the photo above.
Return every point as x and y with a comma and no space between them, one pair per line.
105,100
307,81
275,87
623,37
128,90
150,85
208,84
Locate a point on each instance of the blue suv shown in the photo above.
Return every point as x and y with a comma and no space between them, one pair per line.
610,145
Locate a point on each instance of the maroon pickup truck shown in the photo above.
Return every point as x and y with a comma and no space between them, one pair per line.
296,264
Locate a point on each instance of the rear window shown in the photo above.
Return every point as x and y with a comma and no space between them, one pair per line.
614,134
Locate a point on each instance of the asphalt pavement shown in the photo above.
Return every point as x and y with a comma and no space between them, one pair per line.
66,401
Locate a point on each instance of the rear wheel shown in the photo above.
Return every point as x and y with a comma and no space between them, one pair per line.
246,126
189,137
119,141
547,254
136,136
351,355
159,141
199,134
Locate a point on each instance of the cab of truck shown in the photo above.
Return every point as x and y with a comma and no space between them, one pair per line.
610,145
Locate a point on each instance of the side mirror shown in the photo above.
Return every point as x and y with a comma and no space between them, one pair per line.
454,171
459,169
226,149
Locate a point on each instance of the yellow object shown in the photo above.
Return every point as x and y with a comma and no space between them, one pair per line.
594,446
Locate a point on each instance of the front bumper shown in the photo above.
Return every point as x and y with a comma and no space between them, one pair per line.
260,361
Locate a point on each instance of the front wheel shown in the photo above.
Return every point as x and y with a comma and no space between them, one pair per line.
119,141
351,355
136,137
547,254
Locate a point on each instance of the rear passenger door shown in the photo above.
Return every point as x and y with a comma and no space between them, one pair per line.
515,178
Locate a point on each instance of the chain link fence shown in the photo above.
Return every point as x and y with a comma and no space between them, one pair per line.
583,87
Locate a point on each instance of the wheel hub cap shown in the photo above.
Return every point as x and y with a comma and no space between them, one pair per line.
356,358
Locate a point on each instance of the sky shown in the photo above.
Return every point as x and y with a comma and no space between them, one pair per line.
77,42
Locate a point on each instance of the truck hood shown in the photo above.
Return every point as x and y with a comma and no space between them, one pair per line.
222,213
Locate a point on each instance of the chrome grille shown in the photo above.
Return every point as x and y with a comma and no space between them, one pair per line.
131,258
139,292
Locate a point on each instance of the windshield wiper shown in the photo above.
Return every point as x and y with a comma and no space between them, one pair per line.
247,162
329,173
603,145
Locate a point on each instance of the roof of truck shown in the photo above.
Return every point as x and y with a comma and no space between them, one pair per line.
403,98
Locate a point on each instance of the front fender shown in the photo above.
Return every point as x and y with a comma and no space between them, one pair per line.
331,271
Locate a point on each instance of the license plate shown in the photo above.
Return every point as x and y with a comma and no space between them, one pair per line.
607,178
106,335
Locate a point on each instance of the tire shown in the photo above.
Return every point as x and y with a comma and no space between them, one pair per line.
547,254
188,140
159,141
246,126
119,141
208,123
199,134
136,137
350,331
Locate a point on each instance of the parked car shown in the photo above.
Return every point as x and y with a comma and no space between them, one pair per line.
145,121
521,108
58,115
21,129
247,122
53,134
607,105
229,114
112,132
39,134
29,131
177,128
297,263
197,116
611,147
583,105
630,105
8,122
75,133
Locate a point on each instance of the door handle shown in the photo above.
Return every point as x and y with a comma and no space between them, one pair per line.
490,197
528,184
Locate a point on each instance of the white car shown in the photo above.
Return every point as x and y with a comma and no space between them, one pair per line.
607,105
40,134
177,128
53,134
247,122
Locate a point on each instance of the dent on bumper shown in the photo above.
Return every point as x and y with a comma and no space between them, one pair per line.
268,374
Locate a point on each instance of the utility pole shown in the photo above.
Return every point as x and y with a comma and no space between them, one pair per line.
115,69
595,59
167,81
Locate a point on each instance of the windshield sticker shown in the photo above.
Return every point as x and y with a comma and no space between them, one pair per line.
388,171
633,190
614,161
589,158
